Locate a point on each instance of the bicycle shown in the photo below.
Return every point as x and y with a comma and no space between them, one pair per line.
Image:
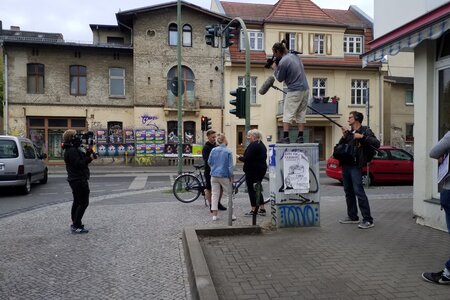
187,187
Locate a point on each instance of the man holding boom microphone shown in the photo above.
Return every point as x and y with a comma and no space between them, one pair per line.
290,69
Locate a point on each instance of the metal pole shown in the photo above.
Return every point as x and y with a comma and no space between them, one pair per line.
180,96
230,205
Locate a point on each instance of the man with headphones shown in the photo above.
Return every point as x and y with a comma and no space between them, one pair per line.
364,142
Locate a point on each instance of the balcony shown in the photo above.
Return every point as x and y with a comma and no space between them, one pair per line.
326,108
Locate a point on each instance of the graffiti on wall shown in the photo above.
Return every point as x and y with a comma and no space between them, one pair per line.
148,120
298,215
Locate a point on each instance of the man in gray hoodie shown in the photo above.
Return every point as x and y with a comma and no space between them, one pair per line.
439,152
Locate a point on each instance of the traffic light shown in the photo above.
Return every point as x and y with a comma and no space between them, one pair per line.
239,102
227,36
206,123
212,31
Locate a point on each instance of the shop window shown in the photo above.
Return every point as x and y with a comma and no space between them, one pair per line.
37,122
78,123
57,123
444,101
35,78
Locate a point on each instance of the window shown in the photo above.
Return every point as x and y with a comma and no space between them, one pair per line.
290,38
360,91
444,101
188,86
78,80
189,132
28,150
319,44
353,44
241,83
409,97
172,129
35,78
256,40
380,154
400,155
117,82
115,40
173,34
187,36
409,132
319,87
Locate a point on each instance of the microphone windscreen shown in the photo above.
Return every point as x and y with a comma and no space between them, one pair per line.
267,85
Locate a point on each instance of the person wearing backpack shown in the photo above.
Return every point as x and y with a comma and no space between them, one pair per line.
364,144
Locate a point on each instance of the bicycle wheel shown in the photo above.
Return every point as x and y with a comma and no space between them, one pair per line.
186,188
266,189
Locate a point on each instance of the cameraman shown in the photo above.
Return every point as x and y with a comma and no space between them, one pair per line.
77,159
290,70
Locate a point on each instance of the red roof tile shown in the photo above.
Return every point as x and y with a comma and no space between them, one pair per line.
346,17
247,11
300,12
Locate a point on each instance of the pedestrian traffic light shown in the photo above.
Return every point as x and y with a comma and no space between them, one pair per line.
212,32
227,36
239,102
206,123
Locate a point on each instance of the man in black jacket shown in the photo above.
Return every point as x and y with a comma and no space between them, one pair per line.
77,160
364,141
209,145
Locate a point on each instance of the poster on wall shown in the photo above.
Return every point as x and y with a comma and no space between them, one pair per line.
170,149
149,135
140,136
101,136
140,149
187,149
296,172
129,136
131,150
159,149
160,136
149,149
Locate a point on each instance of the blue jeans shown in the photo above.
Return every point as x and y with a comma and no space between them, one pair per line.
445,203
353,189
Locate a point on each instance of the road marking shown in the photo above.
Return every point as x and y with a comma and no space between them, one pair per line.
171,180
138,183
48,193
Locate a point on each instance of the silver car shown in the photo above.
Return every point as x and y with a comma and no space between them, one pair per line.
20,164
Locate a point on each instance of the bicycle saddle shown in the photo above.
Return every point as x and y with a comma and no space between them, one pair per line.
198,167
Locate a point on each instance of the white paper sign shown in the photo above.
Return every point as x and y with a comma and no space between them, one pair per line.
443,169
296,173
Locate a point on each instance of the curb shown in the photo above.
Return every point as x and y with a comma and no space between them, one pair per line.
200,281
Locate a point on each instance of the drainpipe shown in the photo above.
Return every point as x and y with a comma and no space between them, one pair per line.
380,87
129,28
5,93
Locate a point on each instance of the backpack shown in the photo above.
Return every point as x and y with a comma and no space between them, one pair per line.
370,150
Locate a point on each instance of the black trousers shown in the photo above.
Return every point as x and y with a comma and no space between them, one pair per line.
80,191
250,181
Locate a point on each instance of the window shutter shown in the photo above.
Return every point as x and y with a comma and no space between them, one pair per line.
328,45
311,43
282,36
300,42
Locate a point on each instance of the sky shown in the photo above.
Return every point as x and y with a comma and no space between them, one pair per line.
72,18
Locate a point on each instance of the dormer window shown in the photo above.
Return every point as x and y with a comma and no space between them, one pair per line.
353,44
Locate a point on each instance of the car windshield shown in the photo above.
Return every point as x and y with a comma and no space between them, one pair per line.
8,149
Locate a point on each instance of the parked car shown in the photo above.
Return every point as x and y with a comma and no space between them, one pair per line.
20,163
389,165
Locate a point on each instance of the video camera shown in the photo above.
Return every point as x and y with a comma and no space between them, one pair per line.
276,60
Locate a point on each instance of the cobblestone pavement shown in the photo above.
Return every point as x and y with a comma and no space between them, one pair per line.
133,251
333,261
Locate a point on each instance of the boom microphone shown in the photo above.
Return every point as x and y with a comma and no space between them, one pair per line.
267,85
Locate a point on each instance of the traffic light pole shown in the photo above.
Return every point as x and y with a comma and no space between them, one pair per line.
180,95
247,72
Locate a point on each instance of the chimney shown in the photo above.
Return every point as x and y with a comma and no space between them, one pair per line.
15,28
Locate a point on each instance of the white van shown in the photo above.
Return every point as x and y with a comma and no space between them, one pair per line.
20,164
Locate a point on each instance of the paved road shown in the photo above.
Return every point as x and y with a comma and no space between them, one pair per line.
133,251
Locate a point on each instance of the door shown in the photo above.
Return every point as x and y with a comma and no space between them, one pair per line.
317,135
241,138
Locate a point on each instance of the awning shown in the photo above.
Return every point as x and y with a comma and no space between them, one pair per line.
429,26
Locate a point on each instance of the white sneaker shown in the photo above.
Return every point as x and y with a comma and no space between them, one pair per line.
215,218
233,218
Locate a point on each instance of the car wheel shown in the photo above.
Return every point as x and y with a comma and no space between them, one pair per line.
45,179
366,180
26,189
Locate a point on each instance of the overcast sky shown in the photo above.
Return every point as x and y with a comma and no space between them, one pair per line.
72,18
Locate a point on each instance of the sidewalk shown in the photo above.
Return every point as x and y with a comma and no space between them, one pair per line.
333,261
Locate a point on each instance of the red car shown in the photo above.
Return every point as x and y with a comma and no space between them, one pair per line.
389,165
